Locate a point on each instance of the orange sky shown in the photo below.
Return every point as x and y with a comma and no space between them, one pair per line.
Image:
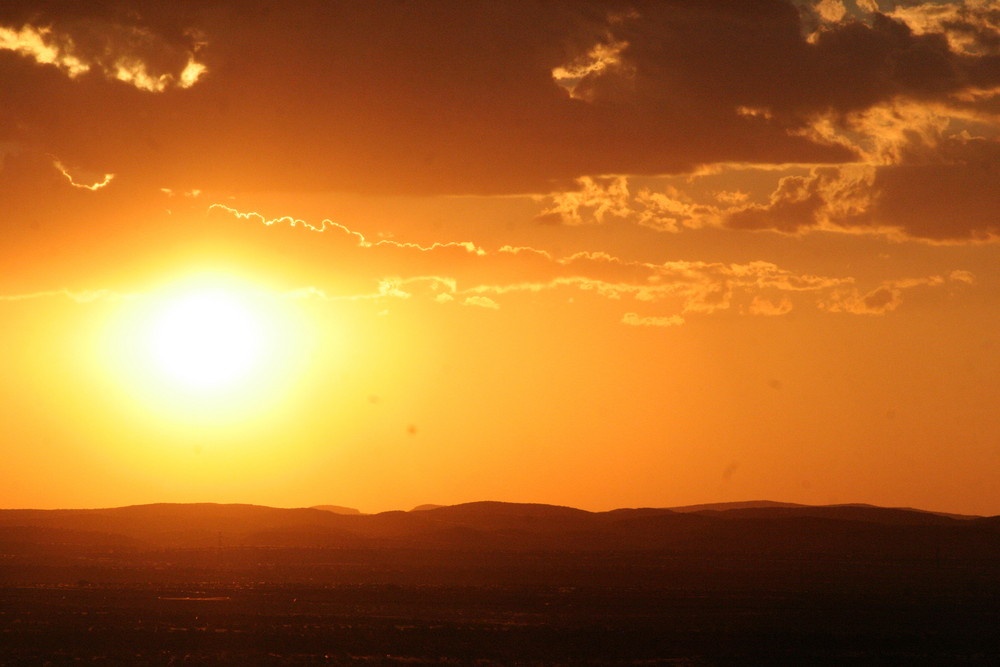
600,254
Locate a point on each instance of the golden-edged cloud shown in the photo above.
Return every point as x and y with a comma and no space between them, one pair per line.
922,173
677,289
495,119
654,88
886,297
971,27
93,186
950,194
124,52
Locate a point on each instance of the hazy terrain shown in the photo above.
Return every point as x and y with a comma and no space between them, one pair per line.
499,583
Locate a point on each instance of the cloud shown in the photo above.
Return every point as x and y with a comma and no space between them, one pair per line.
473,275
886,297
880,300
762,306
355,269
466,105
467,97
33,42
596,200
831,10
582,77
356,237
688,287
599,200
45,215
963,277
923,172
634,320
950,195
827,198
970,27
324,225
93,187
123,51
59,216
482,302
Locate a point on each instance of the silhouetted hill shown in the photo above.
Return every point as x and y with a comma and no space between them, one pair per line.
950,515
336,509
745,504
421,508
847,512
498,516
196,524
211,583
754,527
866,514
992,522
22,537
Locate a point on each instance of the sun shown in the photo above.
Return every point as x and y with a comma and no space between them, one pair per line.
208,350
207,338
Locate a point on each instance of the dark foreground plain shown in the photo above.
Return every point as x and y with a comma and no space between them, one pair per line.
494,583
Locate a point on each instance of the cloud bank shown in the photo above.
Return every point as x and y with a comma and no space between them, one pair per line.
468,96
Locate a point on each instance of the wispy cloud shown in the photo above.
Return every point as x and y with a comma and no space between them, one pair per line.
634,320
359,239
481,302
682,288
93,187
886,297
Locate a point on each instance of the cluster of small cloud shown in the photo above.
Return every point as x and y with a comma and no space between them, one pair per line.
885,297
943,202
604,199
916,178
910,95
657,294
686,288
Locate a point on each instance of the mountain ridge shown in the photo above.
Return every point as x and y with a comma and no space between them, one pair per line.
483,525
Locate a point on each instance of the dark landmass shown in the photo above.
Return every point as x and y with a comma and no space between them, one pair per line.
428,506
499,583
336,509
745,504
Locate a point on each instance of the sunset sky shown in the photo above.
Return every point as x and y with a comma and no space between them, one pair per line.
600,254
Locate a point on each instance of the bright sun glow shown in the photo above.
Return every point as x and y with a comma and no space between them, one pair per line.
207,339
210,350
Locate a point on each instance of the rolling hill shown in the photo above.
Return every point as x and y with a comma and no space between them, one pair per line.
753,527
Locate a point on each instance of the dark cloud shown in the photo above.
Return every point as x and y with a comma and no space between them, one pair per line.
954,198
104,40
941,202
456,96
796,204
